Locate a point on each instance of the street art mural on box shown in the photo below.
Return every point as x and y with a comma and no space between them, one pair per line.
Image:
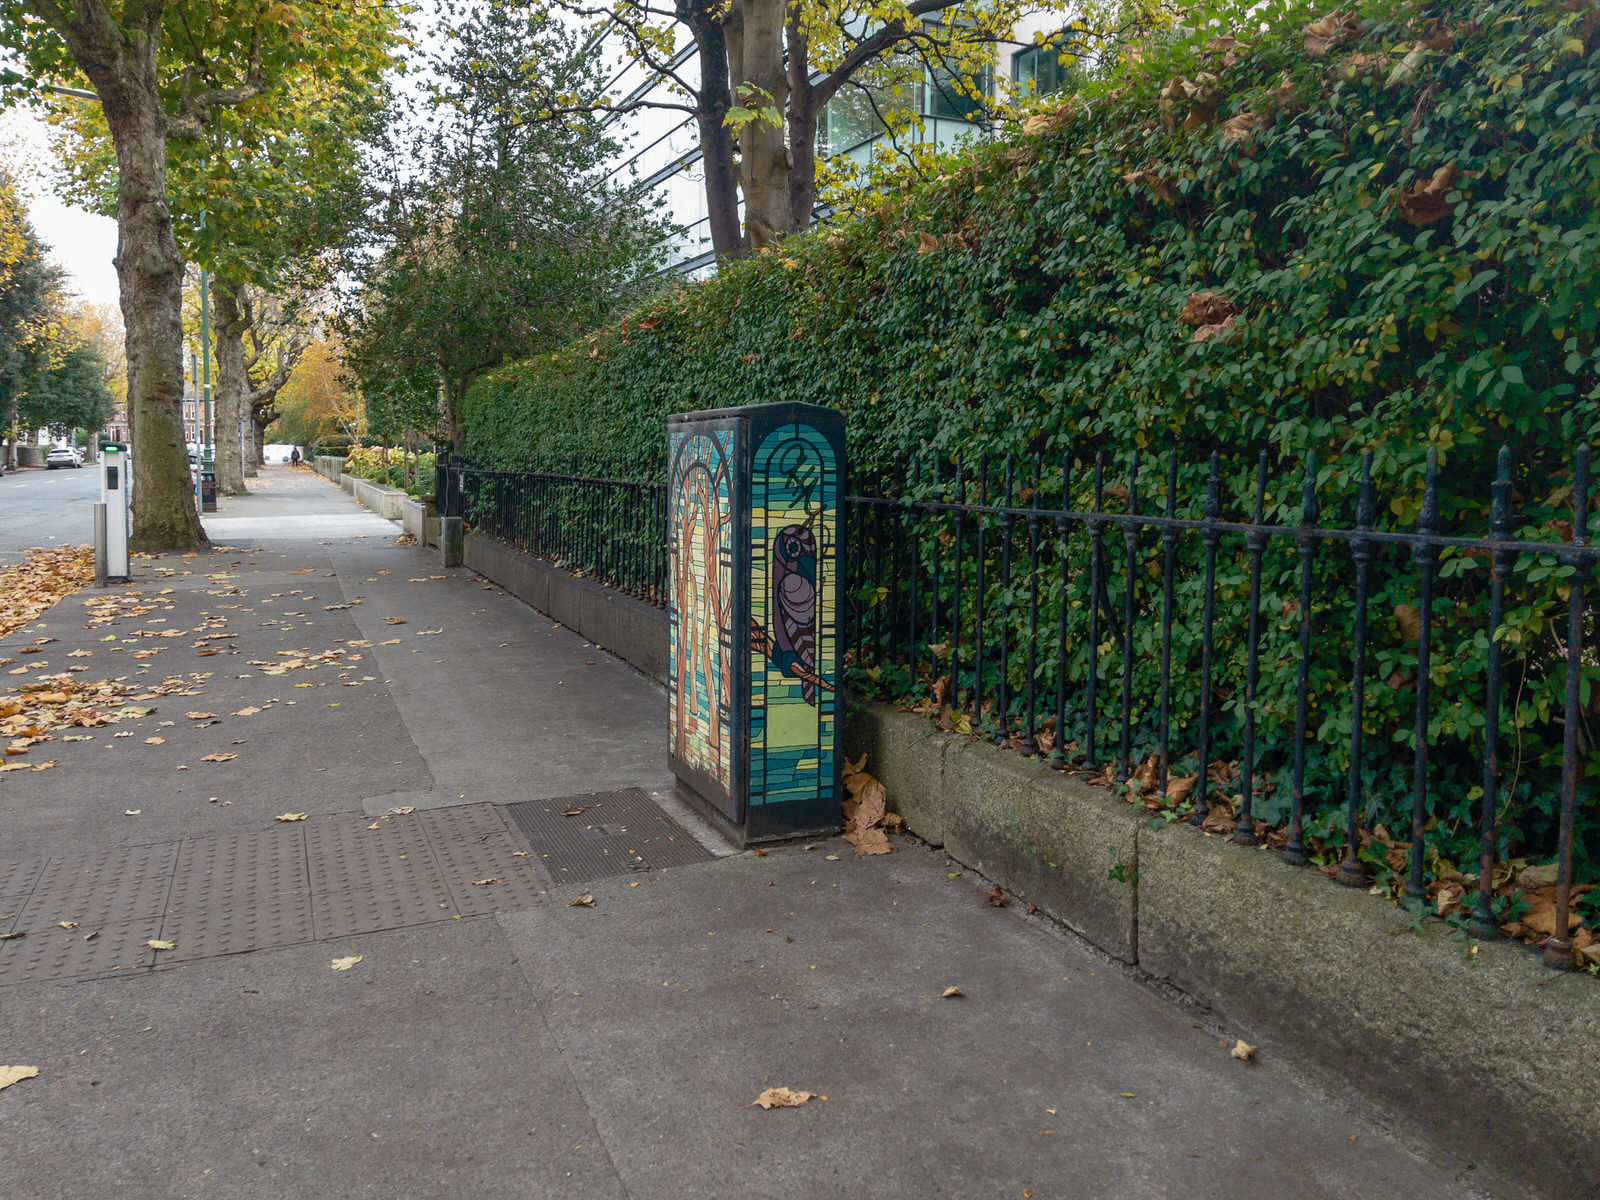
700,560
794,501
753,614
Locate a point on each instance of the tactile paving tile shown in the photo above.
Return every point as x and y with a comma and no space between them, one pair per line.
246,921
469,848
394,905
131,897
617,832
354,852
18,877
10,910
238,868
53,953
107,868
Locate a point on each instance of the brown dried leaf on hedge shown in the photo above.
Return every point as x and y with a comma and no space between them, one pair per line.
1322,36
1207,308
1423,202
43,577
1155,183
1240,129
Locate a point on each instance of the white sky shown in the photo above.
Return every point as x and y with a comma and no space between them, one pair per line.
81,243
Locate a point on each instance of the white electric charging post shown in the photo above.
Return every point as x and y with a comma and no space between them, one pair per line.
114,495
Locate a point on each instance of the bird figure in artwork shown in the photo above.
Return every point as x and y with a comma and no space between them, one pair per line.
794,605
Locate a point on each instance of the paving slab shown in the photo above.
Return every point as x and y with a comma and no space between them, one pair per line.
423,1072
679,997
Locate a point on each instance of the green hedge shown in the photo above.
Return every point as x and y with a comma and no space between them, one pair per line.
1398,220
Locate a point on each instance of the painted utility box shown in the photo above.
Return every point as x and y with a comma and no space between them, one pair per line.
753,508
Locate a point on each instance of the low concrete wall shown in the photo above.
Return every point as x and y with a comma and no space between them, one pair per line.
414,516
385,501
31,456
629,628
329,465
1486,1050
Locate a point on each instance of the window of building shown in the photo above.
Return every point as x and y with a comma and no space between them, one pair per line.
1038,71
958,96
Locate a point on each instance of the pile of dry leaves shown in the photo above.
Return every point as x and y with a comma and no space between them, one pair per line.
867,821
43,577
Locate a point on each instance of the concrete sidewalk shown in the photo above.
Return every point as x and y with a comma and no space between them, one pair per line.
493,1040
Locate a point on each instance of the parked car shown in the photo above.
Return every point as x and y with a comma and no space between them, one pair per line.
63,456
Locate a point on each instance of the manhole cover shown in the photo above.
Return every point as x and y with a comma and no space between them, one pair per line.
578,838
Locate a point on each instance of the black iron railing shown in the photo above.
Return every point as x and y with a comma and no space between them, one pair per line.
1298,671
1059,612
609,530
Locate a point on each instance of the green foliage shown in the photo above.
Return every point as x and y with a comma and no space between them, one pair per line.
1400,219
500,237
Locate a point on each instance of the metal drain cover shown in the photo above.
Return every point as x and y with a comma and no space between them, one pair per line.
609,833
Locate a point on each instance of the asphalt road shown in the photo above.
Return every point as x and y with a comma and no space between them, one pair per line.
45,508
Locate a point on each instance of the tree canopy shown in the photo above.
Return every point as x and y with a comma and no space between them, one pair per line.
496,235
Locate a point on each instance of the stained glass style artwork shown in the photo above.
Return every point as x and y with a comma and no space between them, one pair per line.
753,611
794,503
700,562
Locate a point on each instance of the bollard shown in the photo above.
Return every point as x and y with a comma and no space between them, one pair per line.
450,540
100,544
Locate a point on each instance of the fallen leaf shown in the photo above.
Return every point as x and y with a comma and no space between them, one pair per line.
782,1097
155,741
10,1075
67,924
487,882
997,897
291,816
200,716
247,712
831,857
574,811
1243,1051
344,964
6,937
951,993
160,944
583,901
410,808
214,758
132,812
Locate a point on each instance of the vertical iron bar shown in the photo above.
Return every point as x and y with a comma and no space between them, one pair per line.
977,631
1351,872
1130,536
1030,742
1169,553
1558,951
1210,537
1007,522
908,519
1096,554
955,589
1425,553
1294,852
937,581
1501,562
1058,755
1256,543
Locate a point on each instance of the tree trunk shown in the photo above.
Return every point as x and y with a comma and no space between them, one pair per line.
802,127
763,156
120,62
229,322
716,139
